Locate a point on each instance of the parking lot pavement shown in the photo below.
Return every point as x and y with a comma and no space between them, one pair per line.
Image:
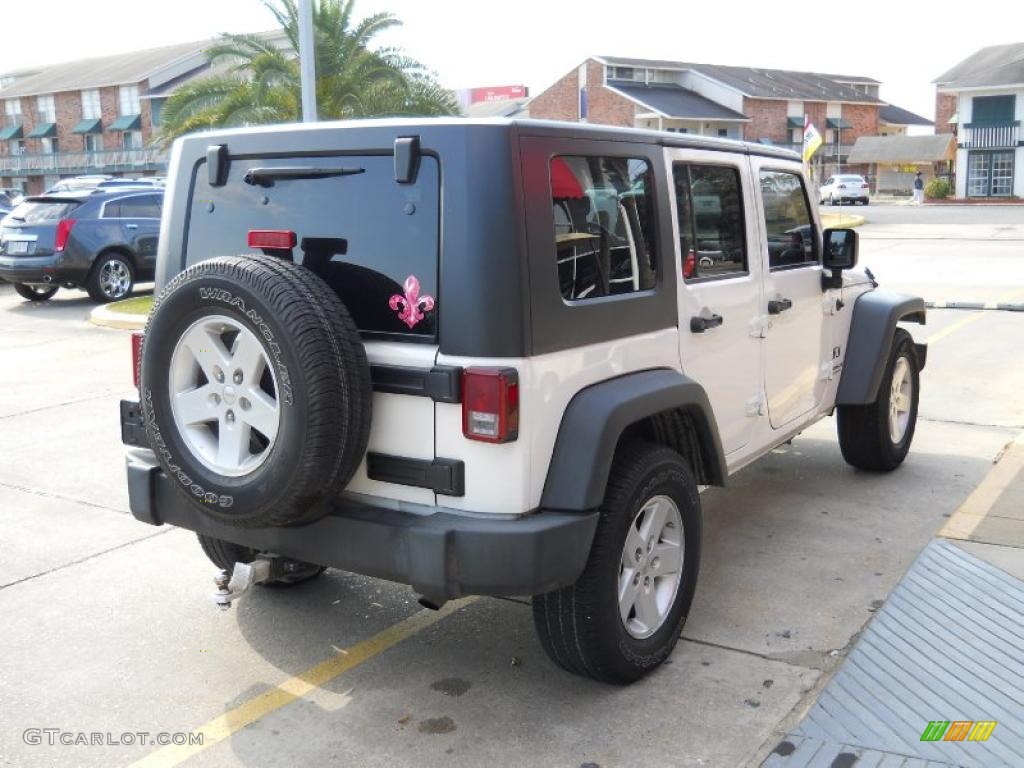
108,625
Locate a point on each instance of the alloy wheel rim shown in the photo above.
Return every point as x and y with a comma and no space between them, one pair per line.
651,566
223,392
115,279
900,396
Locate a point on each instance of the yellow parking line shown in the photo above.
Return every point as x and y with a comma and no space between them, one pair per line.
220,728
952,328
974,509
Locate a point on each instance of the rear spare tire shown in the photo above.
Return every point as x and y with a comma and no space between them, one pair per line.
255,390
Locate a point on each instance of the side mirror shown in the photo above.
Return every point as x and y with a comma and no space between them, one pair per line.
841,248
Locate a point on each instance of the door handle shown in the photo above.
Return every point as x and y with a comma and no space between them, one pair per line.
778,306
700,324
131,226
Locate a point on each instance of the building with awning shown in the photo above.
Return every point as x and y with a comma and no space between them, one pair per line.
895,160
670,107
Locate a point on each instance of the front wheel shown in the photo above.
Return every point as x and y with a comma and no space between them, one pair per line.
624,614
112,279
876,437
35,292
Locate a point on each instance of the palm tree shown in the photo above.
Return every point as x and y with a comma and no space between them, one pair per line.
259,83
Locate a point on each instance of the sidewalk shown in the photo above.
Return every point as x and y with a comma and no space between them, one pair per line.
947,647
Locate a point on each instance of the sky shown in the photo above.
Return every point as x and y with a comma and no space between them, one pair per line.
903,43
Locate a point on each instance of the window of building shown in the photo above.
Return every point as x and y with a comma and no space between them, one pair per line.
50,146
723,132
18,147
128,100
131,139
91,108
712,228
46,110
604,226
12,108
792,238
992,110
989,174
623,73
93,142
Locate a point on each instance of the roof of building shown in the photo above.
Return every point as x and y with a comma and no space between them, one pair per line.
903,149
118,69
994,65
766,83
893,115
499,108
675,101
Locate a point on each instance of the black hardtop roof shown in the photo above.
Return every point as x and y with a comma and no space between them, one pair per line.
524,127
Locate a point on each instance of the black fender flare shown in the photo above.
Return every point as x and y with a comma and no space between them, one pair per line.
875,315
595,419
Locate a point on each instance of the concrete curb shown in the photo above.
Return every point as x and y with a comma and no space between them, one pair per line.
105,317
841,220
997,305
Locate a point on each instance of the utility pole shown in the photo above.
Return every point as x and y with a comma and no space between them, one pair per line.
307,61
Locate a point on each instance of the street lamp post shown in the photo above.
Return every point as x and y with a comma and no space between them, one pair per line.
307,61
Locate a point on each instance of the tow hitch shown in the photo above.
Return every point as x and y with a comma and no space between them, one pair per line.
243,576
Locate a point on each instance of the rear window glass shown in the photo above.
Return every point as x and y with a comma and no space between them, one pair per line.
604,226
137,207
43,212
375,241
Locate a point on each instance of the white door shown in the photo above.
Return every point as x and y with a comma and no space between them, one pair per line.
720,290
797,347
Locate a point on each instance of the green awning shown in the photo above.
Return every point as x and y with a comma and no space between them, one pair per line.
794,122
11,132
838,122
43,131
89,125
126,123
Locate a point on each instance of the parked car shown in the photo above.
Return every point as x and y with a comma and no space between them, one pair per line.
10,196
845,188
101,241
144,181
497,380
77,184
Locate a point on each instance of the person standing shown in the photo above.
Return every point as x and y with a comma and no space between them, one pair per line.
918,188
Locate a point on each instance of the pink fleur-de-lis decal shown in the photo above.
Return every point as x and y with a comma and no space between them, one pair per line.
412,304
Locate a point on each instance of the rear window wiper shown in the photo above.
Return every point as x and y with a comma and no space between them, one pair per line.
265,177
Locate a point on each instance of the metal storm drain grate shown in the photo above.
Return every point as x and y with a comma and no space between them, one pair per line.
936,679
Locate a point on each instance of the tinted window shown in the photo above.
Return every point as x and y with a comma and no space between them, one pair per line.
42,212
138,207
792,240
364,233
711,225
604,226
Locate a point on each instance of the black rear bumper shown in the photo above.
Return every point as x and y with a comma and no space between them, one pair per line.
442,555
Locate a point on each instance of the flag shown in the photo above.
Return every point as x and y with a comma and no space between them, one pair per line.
812,139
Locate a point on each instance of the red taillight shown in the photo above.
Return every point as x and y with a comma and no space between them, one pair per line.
63,231
689,264
136,356
490,404
274,239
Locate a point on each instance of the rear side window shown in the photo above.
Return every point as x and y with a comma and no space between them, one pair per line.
792,241
32,212
604,226
374,241
709,200
137,207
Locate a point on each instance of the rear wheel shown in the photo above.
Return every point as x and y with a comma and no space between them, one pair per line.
624,614
876,437
112,279
224,554
35,292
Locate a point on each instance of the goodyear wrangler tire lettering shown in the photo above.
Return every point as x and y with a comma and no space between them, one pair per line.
254,429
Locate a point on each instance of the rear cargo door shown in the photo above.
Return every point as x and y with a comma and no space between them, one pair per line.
376,242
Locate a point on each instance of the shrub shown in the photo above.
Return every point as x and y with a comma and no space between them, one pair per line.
937,189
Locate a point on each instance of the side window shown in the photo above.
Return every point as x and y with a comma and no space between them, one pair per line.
112,210
604,225
711,224
139,207
792,240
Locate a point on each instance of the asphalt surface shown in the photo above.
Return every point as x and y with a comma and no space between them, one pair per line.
108,625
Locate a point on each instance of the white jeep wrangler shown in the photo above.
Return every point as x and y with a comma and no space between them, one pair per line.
498,358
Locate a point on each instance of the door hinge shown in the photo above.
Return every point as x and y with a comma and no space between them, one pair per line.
832,305
759,327
826,371
756,406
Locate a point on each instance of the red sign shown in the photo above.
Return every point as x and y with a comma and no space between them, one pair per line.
497,93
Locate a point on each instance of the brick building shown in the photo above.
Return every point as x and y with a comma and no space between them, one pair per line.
91,116
763,105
